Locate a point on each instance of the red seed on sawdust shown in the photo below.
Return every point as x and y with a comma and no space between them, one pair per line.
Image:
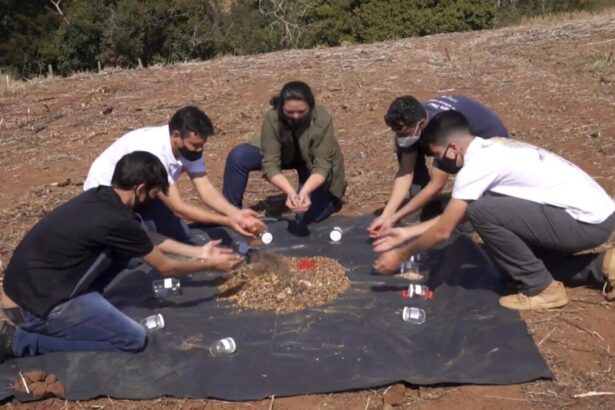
306,264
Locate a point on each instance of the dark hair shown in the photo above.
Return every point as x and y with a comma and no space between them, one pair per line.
140,167
191,119
441,127
294,90
404,111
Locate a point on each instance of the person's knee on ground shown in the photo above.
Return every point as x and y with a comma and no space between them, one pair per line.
133,340
550,294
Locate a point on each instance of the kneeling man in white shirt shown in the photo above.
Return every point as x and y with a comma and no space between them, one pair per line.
534,210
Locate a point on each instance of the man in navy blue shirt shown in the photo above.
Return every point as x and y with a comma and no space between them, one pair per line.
407,117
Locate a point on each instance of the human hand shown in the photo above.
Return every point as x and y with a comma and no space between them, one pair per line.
242,220
219,258
389,238
304,202
292,201
388,262
377,225
251,223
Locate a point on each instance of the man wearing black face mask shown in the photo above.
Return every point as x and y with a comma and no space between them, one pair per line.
179,146
534,211
53,285
407,117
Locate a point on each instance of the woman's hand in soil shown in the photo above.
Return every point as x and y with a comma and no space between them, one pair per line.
388,262
220,258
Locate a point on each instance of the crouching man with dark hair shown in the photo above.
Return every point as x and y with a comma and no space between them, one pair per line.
533,209
52,281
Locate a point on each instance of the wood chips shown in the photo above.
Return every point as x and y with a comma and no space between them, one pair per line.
285,284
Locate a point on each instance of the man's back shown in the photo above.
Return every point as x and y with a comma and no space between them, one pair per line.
154,140
56,253
484,123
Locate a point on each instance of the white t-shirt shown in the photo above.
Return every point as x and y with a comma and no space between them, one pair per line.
513,168
155,140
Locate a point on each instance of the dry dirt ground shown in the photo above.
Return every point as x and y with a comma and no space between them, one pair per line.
552,82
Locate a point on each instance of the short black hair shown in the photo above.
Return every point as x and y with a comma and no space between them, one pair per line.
294,90
403,112
441,127
191,119
140,167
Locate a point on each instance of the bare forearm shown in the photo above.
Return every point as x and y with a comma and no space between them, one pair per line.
198,214
280,182
176,267
168,245
401,187
213,198
312,183
417,202
430,238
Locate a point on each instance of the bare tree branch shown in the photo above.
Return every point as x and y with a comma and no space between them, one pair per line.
56,5
279,10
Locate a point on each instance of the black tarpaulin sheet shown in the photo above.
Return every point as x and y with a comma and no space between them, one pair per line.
359,341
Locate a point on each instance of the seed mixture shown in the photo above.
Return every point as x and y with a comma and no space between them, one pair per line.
411,276
283,284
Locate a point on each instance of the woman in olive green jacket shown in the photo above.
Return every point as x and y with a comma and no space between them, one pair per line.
296,134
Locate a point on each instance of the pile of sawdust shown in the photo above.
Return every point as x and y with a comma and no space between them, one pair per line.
285,284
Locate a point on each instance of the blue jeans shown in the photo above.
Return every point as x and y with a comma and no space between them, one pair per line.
85,323
245,158
159,218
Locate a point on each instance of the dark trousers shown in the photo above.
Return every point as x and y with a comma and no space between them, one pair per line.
536,243
246,158
159,218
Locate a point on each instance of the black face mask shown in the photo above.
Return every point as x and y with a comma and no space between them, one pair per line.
297,123
190,155
449,165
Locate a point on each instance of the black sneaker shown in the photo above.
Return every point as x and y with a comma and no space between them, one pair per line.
7,330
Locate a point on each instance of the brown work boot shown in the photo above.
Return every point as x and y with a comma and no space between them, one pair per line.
553,296
608,269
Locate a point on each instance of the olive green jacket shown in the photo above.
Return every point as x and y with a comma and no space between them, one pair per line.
318,147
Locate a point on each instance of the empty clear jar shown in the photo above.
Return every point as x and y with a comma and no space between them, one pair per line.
164,288
223,347
413,315
153,323
412,263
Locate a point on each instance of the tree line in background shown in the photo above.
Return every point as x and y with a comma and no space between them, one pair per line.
73,35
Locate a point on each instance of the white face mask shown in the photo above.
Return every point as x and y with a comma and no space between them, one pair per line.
405,142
